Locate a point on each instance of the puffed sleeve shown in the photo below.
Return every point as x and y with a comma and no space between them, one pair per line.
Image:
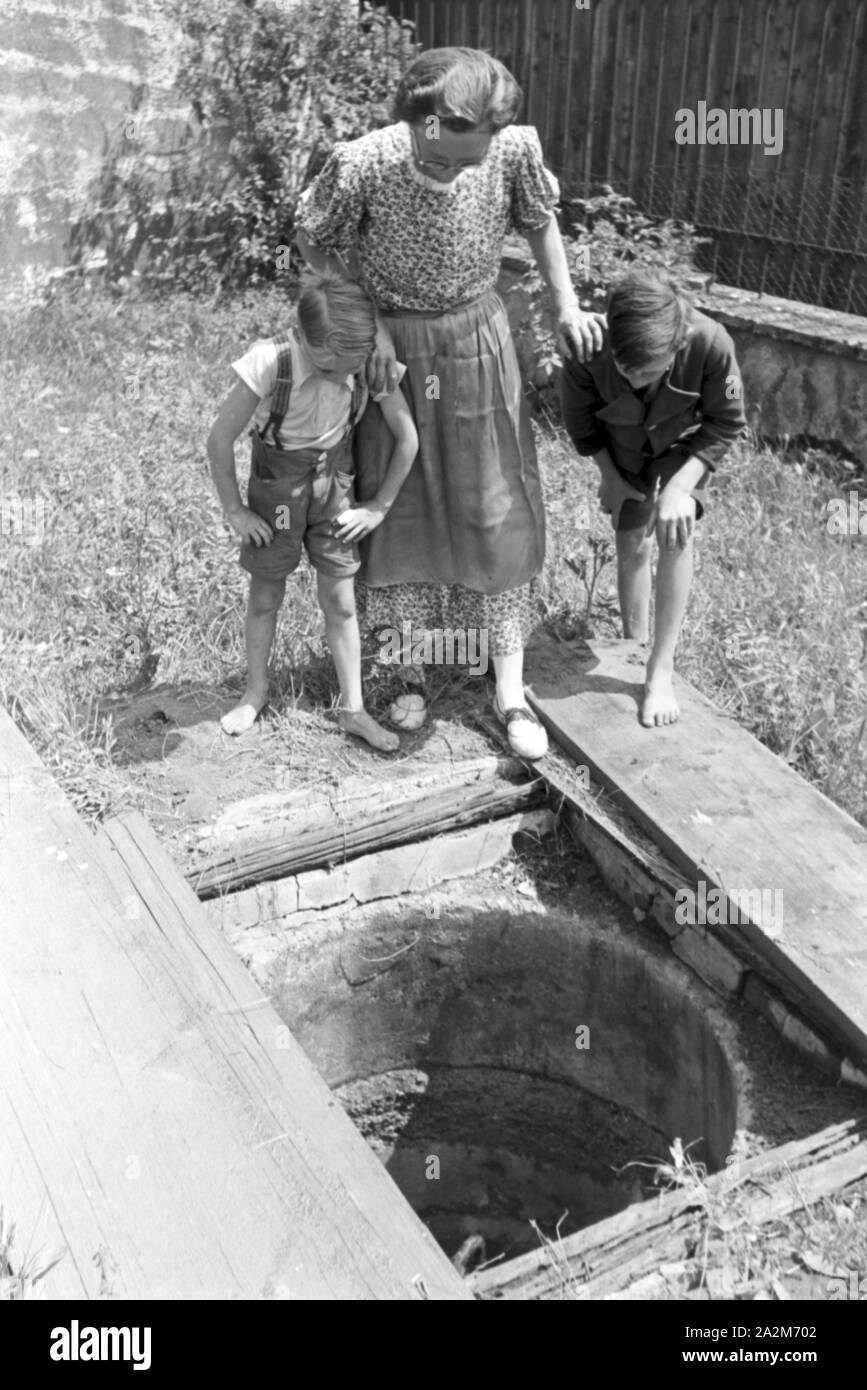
330,210
535,190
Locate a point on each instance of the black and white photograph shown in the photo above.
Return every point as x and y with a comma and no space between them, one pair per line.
433,672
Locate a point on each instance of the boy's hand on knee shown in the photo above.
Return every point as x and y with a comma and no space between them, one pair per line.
357,522
613,492
250,526
675,517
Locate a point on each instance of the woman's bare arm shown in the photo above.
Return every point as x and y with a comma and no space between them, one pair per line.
573,324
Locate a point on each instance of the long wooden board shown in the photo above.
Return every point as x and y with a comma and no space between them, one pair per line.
160,1129
281,833
616,1252
727,813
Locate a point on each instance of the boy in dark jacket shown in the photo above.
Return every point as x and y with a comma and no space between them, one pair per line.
658,408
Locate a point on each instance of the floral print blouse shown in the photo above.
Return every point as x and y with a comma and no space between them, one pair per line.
421,244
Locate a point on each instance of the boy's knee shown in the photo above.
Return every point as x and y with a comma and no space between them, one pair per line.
266,596
337,599
634,547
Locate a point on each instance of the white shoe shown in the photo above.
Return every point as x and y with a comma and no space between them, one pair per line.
527,738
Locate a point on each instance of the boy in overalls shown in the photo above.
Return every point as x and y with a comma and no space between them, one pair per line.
305,394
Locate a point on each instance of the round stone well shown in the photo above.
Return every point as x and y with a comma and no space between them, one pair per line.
512,1067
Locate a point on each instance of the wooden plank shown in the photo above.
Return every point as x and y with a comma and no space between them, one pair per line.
637,873
729,815
278,834
389,873
159,1127
610,1255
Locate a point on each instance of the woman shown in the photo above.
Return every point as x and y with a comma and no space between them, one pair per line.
420,211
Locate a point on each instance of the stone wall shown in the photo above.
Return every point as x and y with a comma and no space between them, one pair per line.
70,73
804,368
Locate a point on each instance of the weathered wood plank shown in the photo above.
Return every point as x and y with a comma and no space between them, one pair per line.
159,1127
279,834
413,868
729,815
607,1257
635,870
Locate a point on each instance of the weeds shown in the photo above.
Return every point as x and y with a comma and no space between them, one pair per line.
17,1284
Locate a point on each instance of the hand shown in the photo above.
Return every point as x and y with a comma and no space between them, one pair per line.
676,513
579,332
250,526
381,369
613,492
357,522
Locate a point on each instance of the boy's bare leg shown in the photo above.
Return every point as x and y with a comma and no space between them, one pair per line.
337,601
673,579
633,581
263,605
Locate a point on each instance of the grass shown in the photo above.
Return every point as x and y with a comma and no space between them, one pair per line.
109,403
18,1283
776,630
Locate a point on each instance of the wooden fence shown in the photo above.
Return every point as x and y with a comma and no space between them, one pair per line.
603,85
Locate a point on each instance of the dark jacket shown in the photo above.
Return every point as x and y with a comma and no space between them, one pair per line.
698,409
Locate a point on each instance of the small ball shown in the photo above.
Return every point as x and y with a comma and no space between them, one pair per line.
408,711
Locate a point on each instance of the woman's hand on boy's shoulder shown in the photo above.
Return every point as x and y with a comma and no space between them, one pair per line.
382,367
580,335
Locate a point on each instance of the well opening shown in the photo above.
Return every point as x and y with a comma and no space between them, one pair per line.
454,1044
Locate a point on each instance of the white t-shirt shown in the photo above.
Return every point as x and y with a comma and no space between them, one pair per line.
318,405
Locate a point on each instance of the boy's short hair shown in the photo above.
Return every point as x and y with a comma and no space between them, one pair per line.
465,88
336,314
649,318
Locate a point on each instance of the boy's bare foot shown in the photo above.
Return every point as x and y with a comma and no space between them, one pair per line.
659,705
363,725
245,714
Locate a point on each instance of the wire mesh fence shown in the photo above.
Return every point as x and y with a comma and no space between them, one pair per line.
797,236
604,84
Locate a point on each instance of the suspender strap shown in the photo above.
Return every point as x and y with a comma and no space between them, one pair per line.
360,397
282,389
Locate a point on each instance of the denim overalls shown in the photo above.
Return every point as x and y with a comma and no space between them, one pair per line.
300,492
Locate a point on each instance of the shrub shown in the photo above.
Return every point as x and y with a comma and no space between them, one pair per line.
270,89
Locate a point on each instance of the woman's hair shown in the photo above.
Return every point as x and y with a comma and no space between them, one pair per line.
649,318
465,87
336,314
